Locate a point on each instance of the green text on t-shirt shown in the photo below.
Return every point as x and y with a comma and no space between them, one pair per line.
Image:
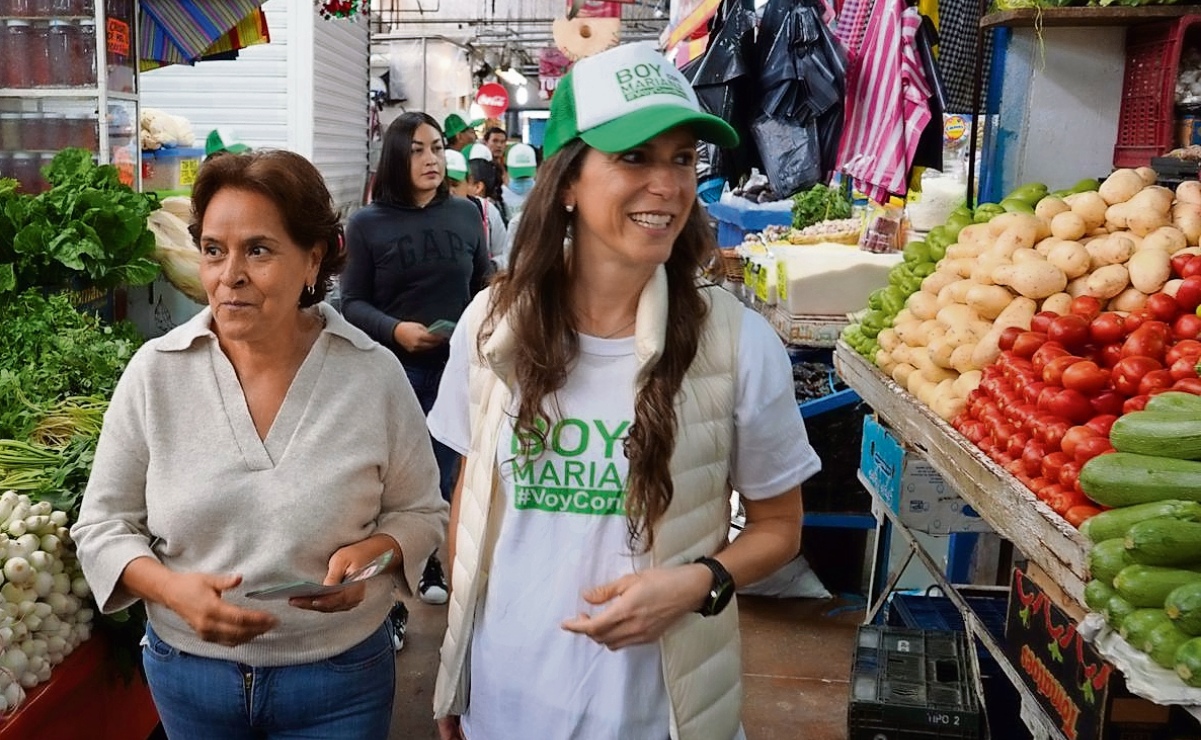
580,477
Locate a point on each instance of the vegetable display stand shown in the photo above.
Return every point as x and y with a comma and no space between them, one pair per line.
1013,510
84,698
1056,560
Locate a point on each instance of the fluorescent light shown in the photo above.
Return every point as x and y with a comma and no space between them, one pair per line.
511,76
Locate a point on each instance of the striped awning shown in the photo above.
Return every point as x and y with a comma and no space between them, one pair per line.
695,14
183,31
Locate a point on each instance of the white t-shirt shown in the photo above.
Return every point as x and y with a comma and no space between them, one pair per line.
564,531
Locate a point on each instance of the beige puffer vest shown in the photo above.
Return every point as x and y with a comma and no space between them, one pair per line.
701,656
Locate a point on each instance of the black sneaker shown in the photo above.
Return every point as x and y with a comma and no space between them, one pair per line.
432,587
399,619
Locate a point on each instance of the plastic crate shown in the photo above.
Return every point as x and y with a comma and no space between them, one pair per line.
940,613
911,685
739,217
1001,699
1145,121
836,435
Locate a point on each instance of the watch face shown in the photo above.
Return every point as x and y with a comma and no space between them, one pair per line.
720,596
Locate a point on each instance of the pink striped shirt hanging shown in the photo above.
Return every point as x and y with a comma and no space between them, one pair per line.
887,107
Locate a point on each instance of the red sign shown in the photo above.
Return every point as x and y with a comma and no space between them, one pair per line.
118,37
493,98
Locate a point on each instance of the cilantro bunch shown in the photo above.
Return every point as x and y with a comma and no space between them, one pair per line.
88,227
50,351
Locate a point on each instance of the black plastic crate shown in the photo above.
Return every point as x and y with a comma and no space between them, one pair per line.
940,613
837,438
1001,699
912,685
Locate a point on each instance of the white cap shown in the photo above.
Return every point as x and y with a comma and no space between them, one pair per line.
479,151
521,161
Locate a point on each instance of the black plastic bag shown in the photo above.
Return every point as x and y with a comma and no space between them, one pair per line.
793,162
725,85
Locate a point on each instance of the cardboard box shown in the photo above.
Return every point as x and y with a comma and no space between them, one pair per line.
1074,685
911,487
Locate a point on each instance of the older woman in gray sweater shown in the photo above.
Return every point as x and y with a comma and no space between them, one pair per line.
241,452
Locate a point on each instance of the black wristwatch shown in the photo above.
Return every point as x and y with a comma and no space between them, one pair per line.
720,591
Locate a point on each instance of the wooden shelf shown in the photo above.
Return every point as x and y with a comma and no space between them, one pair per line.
1012,509
1086,16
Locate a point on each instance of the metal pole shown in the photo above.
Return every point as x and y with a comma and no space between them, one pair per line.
425,63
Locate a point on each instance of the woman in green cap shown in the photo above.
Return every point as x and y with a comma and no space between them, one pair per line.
606,401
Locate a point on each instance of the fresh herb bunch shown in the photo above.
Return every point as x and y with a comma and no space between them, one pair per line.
819,203
87,227
49,351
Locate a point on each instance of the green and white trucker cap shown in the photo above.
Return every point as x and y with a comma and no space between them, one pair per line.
456,165
624,97
521,161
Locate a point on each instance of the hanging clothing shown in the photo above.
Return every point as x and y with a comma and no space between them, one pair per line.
957,33
852,25
887,103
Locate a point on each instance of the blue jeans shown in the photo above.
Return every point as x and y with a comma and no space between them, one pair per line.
346,697
425,384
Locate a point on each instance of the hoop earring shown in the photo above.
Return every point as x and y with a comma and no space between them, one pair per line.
312,289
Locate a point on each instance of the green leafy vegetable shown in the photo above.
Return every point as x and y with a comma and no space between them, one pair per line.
817,204
49,352
88,228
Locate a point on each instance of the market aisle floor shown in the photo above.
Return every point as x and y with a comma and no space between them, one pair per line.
796,664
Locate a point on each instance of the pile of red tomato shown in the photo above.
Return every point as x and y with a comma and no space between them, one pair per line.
1045,407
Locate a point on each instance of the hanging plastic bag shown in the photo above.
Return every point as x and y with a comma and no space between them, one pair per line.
724,82
795,160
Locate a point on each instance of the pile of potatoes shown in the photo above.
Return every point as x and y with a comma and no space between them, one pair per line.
1114,244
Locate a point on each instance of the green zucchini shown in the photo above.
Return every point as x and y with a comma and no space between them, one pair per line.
1125,479
1162,642
1188,662
1106,558
1138,625
1116,522
1174,401
1183,606
1148,586
1116,611
1164,434
1097,594
1164,541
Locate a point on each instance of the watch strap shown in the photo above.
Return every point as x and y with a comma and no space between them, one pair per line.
721,589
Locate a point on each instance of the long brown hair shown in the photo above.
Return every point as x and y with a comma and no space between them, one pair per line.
534,295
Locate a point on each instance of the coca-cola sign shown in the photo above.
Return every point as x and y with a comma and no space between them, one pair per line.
493,98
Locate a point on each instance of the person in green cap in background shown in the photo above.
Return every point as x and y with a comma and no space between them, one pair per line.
606,401
456,173
464,183
222,141
460,134
522,164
